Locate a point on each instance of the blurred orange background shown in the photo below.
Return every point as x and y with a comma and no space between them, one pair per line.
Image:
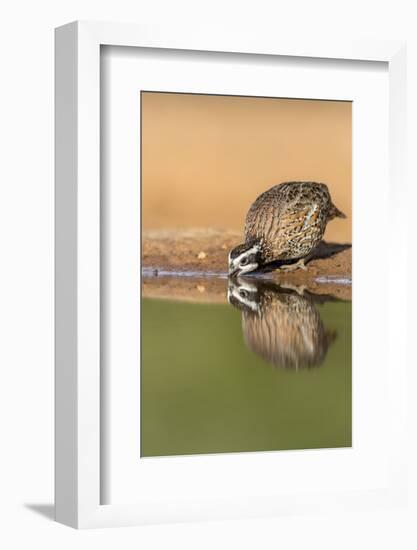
206,158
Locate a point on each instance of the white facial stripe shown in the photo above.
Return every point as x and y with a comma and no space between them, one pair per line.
246,286
247,268
253,250
252,305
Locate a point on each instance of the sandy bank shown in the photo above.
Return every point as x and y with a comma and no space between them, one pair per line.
202,255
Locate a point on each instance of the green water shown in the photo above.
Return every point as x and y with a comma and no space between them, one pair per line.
206,388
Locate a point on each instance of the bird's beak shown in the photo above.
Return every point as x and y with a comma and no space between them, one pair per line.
234,271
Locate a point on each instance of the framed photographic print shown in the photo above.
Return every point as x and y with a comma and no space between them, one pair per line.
217,200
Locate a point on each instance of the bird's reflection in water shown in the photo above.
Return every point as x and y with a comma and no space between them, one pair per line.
281,324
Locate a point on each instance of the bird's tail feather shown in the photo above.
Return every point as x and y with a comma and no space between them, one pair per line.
335,212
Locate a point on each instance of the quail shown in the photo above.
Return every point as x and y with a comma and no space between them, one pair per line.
280,325
285,224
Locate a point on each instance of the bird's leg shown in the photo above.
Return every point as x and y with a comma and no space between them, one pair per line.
292,267
299,289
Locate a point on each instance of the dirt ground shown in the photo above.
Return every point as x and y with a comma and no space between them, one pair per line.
192,265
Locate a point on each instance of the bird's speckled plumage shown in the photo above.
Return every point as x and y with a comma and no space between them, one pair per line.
279,325
288,221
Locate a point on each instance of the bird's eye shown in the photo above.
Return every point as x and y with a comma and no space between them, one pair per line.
243,293
243,261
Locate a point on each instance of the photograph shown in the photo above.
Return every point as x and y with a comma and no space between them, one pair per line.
246,274
190,193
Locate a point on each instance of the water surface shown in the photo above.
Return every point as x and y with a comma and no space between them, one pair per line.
269,369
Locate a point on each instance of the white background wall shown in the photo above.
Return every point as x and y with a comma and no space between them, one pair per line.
26,270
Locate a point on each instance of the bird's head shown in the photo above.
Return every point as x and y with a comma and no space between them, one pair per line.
244,258
243,294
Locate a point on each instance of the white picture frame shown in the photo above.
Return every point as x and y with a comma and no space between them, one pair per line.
78,267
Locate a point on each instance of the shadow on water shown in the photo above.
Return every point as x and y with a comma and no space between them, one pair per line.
282,325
